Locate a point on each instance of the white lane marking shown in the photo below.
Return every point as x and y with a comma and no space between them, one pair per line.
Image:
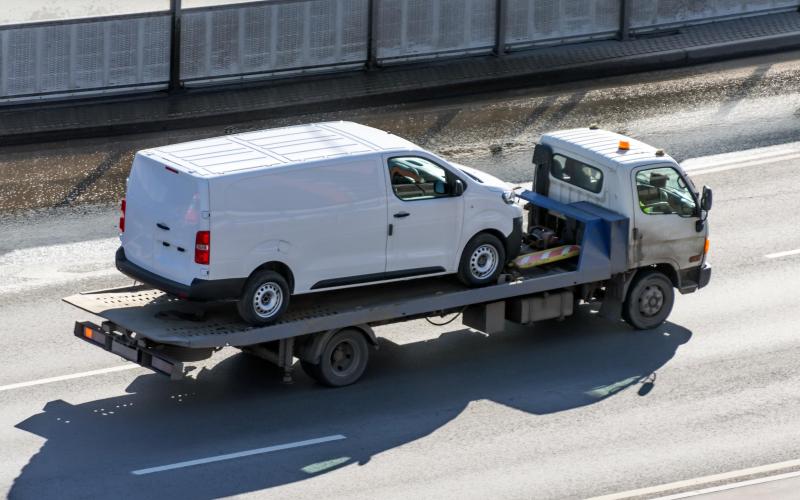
742,159
733,486
67,377
700,481
240,454
778,255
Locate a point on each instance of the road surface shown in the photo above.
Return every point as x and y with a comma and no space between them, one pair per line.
566,409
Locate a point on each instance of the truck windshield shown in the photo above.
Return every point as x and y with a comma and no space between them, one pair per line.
663,191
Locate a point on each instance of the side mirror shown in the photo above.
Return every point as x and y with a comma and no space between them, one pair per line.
440,187
458,188
707,200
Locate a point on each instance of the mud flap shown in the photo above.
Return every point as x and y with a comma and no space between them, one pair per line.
611,307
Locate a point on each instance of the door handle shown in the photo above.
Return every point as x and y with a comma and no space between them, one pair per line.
400,215
162,226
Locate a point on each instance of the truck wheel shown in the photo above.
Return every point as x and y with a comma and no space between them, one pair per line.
343,360
482,261
264,299
649,301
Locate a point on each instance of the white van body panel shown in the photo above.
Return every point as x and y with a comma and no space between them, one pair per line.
165,207
324,220
314,198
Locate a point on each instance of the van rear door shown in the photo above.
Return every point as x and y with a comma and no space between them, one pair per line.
164,207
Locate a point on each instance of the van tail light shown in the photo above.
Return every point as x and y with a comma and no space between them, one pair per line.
122,217
202,247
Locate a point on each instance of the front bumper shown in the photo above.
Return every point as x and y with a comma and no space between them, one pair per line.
200,290
705,276
694,278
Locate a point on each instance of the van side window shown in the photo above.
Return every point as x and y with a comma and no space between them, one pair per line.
415,178
663,191
577,173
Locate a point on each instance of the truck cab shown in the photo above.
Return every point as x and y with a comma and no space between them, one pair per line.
668,230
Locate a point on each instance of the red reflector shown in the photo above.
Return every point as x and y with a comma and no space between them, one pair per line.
122,207
202,247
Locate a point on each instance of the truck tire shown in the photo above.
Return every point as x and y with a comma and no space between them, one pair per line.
482,261
649,301
264,299
343,360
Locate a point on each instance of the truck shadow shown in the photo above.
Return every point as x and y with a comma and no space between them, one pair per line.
410,391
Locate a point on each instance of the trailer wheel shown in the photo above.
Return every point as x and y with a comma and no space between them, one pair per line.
649,301
264,299
482,261
343,360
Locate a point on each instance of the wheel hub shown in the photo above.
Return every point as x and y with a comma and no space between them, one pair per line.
483,262
343,359
651,301
267,300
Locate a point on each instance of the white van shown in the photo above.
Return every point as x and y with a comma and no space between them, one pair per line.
263,215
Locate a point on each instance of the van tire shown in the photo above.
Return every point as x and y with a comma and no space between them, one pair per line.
343,360
271,291
484,252
649,301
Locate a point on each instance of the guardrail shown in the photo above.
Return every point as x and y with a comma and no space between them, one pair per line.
199,46
83,57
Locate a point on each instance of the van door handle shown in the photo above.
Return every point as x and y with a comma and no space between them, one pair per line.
162,226
400,215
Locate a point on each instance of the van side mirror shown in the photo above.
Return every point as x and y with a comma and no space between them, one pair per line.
439,187
707,200
458,188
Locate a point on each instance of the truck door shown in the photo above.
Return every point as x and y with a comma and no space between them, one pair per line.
665,213
424,215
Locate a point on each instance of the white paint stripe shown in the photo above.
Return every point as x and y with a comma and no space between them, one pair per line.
67,377
733,486
240,454
740,159
748,164
778,255
697,482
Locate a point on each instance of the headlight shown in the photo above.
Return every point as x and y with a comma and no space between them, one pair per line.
509,197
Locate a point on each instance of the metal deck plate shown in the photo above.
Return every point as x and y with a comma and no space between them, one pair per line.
166,319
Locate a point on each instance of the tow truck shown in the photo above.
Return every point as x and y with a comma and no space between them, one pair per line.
609,219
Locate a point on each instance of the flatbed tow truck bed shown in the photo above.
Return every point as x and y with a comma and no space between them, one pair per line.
139,320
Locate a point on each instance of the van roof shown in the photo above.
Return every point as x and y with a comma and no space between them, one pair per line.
278,147
602,146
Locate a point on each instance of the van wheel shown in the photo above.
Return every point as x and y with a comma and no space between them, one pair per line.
482,261
343,360
265,298
649,301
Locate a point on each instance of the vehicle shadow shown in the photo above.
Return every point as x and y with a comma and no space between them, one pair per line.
409,391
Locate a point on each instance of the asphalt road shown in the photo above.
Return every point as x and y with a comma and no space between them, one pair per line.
564,410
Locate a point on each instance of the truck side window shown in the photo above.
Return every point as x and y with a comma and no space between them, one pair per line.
415,178
577,173
663,191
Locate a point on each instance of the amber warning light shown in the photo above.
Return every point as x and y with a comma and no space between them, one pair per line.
624,145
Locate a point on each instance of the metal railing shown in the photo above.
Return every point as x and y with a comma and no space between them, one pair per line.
46,60
63,58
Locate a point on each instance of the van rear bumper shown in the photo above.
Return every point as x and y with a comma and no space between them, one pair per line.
201,290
